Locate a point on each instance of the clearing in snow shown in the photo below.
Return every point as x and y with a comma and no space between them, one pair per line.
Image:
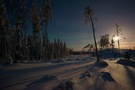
71,73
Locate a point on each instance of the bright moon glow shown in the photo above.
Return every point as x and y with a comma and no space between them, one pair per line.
116,38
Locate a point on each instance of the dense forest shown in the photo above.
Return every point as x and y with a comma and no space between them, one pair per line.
24,32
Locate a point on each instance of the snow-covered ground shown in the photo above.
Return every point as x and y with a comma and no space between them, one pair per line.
74,72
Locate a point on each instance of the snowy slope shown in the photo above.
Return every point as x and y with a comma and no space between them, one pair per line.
75,73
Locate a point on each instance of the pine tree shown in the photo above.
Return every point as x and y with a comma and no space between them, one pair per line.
4,27
35,20
19,17
104,41
47,15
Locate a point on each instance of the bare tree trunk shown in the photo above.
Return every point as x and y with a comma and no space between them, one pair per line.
52,51
15,40
46,41
5,47
117,31
97,55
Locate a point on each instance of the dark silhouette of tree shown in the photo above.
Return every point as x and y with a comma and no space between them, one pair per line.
20,13
89,49
64,49
104,41
47,15
112,42
59,49
15,39
118,32
35,20
89,18
4,28
119,36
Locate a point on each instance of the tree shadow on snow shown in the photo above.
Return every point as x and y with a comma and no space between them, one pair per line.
40,81
131,77
126,62
107,77
104,81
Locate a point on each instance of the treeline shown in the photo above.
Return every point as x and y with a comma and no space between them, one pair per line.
24,31
56,49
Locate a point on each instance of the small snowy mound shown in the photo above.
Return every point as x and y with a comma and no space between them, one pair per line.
101,64
126,62
87,74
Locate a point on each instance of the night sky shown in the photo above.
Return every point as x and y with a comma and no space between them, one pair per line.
69,25
68,21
